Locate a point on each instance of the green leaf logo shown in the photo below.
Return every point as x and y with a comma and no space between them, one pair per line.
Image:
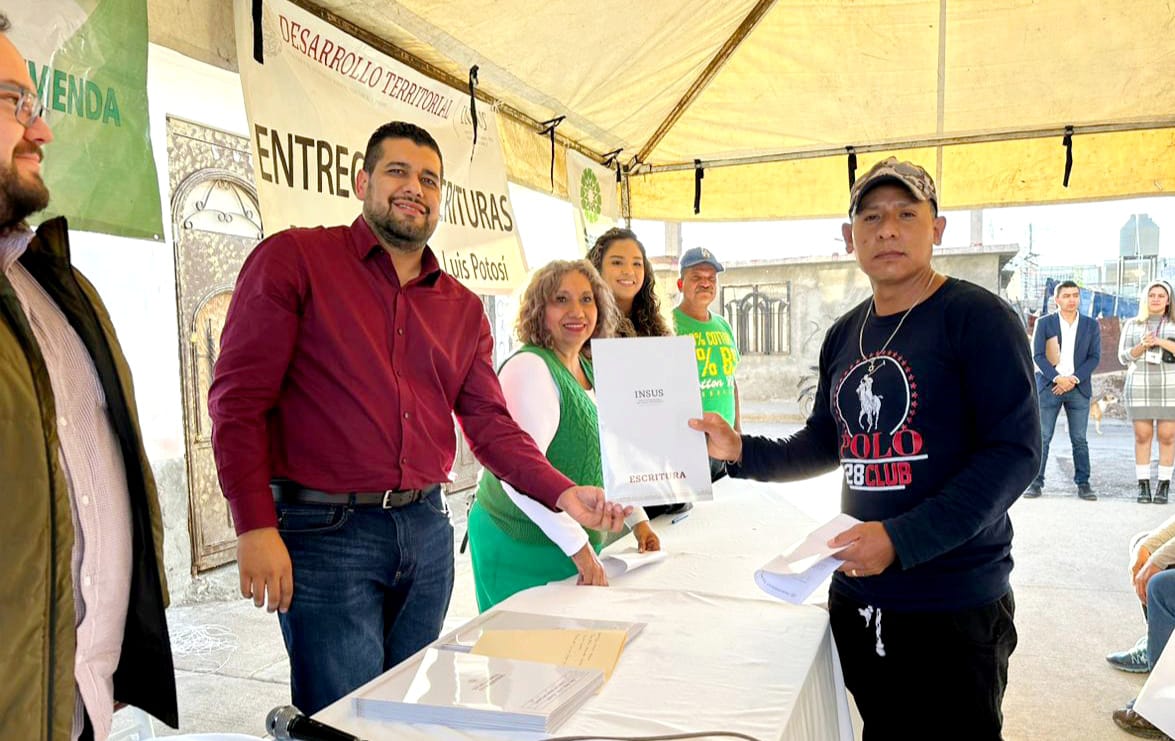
589,196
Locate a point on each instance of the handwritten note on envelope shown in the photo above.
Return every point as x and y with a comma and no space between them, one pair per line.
593,649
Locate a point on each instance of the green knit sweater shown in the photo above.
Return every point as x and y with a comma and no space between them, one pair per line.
575,451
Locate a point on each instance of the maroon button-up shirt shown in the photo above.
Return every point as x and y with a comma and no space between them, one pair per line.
334,375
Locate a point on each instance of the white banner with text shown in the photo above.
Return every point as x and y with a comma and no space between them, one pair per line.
314,102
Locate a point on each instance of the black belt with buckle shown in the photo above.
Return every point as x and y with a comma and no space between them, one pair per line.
288,492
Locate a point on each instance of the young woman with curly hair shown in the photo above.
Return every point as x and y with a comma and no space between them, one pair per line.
621,260
623,264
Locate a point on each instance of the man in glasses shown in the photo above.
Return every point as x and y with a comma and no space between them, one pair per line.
82,595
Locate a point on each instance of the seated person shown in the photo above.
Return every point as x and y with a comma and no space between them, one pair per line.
515,542
1153,555
1154,549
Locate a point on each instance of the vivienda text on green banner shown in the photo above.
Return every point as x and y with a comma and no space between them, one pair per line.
74,95
89,65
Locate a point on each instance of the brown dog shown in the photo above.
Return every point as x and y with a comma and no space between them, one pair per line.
1098,408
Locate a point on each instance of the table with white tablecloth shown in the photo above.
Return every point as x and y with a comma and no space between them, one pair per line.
717,655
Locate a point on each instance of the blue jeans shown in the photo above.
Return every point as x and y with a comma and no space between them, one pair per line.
1077,412
371,588
1160,613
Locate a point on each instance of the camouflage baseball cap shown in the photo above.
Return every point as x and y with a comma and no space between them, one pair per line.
889,170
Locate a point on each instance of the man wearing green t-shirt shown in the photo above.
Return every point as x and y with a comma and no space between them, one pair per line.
716,350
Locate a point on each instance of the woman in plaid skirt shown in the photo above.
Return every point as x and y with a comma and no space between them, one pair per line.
1147,348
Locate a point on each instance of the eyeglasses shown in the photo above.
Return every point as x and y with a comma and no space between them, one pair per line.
29,108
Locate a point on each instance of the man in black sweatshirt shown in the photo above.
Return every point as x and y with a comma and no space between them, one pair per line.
926,402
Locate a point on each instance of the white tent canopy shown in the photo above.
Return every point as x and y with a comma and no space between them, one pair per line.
768,95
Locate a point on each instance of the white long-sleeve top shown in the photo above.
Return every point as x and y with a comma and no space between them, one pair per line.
533,401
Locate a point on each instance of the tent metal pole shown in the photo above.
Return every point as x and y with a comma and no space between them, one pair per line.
944,141
706,76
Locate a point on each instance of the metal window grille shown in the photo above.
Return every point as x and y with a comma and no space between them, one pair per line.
760,317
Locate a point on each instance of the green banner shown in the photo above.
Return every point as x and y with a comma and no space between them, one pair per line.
90,70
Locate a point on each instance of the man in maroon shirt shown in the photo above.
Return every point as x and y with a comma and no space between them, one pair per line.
344,355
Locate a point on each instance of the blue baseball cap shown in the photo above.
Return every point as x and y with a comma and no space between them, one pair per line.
698,256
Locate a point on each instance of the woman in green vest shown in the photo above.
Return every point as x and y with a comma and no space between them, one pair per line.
515,542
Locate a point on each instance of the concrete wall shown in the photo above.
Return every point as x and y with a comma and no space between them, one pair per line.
821,290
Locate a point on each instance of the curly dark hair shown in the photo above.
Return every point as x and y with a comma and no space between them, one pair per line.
531,325
645,319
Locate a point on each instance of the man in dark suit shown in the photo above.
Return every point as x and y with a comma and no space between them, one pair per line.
1066,348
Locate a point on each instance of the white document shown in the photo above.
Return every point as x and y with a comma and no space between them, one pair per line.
464,638
465,690
1156,702
793,576
646,392
622,562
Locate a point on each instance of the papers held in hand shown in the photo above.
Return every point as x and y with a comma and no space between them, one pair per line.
1052,351
793,576
467,691
621,562
647,390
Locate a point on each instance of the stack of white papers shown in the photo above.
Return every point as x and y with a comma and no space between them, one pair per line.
467,691
793,576
466,636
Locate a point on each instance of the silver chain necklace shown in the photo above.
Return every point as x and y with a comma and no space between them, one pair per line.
869,310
